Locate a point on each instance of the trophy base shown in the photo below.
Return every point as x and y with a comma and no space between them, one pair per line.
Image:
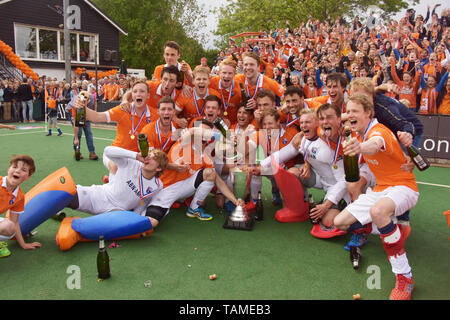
240,225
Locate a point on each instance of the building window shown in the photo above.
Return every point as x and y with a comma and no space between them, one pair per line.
35,43
26,42
48,49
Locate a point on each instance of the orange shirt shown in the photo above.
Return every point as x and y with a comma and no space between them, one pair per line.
14,201
155,94
128,125
158,70
157,139
192,107
231,98
444,108
184,155
385,164
275,143
263,82
428,101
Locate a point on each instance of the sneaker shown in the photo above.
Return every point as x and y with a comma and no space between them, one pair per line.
198,213
229,207
403,288
276,201
59,134
4,252
48,134
250,207
357,240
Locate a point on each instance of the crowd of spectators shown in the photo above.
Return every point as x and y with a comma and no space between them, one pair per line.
410,55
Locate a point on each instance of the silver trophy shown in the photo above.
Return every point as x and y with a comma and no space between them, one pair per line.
239,218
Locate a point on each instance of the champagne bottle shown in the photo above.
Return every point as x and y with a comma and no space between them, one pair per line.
419,160
77,153
59,216
102,260
259,213
221,126
312,205
180,80
355,256
234,57
80,114
244,95
143,144
351,163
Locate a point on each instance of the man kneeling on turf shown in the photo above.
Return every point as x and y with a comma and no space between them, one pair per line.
135,184
395,190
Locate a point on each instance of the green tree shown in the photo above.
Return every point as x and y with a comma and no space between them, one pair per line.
151,23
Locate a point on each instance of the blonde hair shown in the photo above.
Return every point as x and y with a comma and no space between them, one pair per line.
364,101
363,83
228,62
251,54
138,81
200,69
161,158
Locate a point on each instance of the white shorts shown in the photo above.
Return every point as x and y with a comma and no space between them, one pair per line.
404,198
93,200
180,190
5,238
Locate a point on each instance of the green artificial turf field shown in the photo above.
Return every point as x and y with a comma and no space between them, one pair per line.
274,261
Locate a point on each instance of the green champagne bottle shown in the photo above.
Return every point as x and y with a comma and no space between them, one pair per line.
80,114
234,57
419,160
244,95
103,260
77,153
59,216
351,163
143,144
180,80
221,126
312,205
355,256
259,213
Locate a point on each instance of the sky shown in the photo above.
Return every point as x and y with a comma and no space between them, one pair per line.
212,20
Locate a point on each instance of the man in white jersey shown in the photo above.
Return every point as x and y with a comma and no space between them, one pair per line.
135,184
322,169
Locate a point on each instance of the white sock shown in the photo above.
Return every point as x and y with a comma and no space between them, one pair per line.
400,264
201,193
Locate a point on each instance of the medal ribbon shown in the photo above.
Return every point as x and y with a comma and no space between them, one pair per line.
132,118
141,186
196,103
269,143
259,81
226,104
158,132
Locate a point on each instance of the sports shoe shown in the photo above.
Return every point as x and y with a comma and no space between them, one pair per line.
357,240
4,252
93,156
229,207
198,213
48,134
250,207
276,201
59,134
403,288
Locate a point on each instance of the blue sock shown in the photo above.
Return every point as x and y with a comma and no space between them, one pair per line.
59,130
50,131
390,227
357,225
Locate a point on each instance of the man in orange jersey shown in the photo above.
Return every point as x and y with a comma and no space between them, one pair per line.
228,88
294,103
336,84
193,106
254,81
394,193
161,133
157,90
171,55
129,124
193,175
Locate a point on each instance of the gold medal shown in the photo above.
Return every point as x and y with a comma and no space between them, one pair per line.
335,166
225,113
141,202
132,137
